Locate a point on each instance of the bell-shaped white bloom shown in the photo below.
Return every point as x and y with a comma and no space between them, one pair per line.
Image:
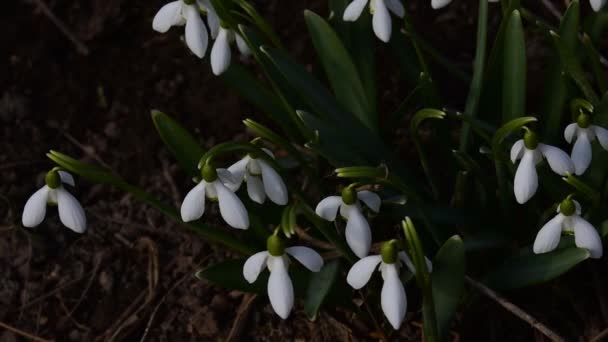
393,298
358,233
262,180
597,4
381,19
71,213
280,288
583,136
526,179
180,12
568,220
221,53
216,188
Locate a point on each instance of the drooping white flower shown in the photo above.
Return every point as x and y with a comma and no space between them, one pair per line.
584,133
358,233
262,180
185,12
568,220
221,54
71,213
381,19
393,298
214,186
280,288
597,4
531,152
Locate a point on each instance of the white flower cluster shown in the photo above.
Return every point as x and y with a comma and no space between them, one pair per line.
188,13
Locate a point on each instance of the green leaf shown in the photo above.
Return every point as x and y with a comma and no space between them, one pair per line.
417,119
478,70
594,58
448,282
340,69
556,86
514,70
90,172
318,288
180,143
532,269
574,69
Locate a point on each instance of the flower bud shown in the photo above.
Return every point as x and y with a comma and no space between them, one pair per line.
389,252
583,120
567,207
52,179
349,195
275,245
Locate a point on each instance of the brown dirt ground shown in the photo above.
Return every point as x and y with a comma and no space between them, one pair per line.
131,274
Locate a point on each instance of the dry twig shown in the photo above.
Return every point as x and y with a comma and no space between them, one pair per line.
23,333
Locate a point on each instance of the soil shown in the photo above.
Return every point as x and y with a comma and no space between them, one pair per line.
130,277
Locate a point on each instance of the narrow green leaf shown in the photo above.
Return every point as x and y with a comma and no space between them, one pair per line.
514,70
90,172
318,288
532,269
601,78
180,143
340,70
418,118
556,92
448,282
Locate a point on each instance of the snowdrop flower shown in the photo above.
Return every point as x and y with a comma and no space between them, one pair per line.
437,4
186,12
531,152
393,298
584,133
381,21
597,4
358,234
214,186
568,220
280,288
71,213
220,52
262,180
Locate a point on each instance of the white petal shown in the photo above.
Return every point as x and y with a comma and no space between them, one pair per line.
307,257
273,184
231,208
381,22
581,153
220,53
410,265
549,235
358,234
197,38
255,189
328,207
570,132
71,213
396,7
360,273
66,178
585,236
602,136
226,177
353,10
437,4
254,266
371,200
526,179
517,150
242,45
394,301
168,15
35,208
558,160
212,18
280,289
268,152
193,205
238,170
597,4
